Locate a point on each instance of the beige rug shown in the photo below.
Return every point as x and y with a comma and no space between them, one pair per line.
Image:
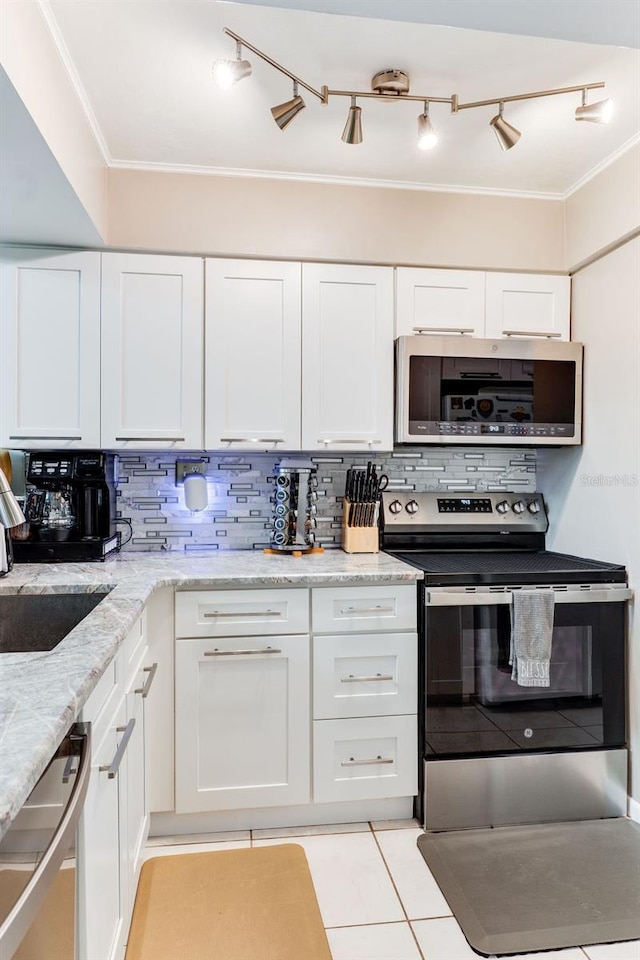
250,904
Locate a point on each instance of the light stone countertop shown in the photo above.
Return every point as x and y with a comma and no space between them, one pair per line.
41,694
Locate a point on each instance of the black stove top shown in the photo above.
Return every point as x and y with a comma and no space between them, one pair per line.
474,568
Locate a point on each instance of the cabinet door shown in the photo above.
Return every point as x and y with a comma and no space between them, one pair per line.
50,350
151,351
526,305
252,321
100,903
439,301
133,795
347,357
242,723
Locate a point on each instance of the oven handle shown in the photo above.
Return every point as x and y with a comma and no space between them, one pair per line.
449,598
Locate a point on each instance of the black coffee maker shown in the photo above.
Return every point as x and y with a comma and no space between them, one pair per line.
69,508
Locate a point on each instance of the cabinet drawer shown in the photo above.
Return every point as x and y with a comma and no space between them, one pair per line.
365,676
365,759
356,609
241,613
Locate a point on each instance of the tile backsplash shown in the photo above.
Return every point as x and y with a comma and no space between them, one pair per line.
240,489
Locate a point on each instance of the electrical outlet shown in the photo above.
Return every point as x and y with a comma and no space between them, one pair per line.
183,467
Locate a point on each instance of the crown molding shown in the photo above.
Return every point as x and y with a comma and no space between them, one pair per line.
601,166
203,171
74,78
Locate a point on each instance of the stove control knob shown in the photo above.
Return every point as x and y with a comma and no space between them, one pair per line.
412,507
395,506
502,507
519,506
534,507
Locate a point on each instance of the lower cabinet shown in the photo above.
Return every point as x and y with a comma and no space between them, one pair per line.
242,722
115,818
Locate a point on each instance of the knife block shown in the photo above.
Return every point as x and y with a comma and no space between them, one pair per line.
358,539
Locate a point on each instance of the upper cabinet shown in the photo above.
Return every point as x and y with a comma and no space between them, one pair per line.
50,350
252,337
439,301
152,319
481,304
527,305
347,357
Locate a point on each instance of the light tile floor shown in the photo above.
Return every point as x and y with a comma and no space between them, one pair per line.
377,896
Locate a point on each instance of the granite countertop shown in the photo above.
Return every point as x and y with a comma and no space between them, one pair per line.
41,694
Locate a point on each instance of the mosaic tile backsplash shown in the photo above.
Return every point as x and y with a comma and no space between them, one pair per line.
240,491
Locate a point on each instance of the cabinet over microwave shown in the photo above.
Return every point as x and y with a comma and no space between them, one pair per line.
460,390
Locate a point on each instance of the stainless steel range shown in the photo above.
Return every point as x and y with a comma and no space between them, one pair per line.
495,750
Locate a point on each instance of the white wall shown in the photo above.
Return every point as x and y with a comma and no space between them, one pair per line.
594,490
252,217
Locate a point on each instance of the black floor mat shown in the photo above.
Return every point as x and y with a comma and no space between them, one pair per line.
540,887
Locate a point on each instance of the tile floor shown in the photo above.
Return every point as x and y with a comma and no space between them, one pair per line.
377,896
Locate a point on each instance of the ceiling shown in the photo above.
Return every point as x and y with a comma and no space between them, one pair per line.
143,70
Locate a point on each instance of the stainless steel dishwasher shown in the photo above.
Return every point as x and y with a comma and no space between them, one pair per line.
37,859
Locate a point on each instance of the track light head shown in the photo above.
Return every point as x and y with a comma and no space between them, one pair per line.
507,135
427,136
352,132
284,113
600,112
228,72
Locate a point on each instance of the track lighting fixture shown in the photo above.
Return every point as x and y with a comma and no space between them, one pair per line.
427,136
392,84
507,135
352,132
600,112
228,72
284,113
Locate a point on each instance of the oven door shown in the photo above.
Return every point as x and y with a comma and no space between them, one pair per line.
472,707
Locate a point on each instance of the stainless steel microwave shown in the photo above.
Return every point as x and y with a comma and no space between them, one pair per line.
463,390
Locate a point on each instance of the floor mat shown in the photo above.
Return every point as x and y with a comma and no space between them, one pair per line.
249,904
540,887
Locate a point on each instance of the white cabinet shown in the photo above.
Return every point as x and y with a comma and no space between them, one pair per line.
347,357
242,722
365,727
115,818
527,305
439,301
152,320
50,350
481,304
252,336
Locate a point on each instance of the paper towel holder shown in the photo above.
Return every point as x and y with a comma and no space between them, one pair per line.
191,474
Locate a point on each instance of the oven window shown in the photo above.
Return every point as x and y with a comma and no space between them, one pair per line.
473,707
491,391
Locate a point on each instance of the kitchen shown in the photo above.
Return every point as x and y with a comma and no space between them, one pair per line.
136,208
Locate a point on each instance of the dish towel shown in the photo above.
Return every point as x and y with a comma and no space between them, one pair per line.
531,637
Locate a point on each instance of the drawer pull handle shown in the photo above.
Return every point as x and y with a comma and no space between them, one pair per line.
365,763
378,676
152,672
251,439
444,330
112,768
530,333
359,440
150,439
348,610
240,653
34,437
243,613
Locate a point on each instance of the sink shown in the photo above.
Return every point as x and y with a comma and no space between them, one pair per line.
31,623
